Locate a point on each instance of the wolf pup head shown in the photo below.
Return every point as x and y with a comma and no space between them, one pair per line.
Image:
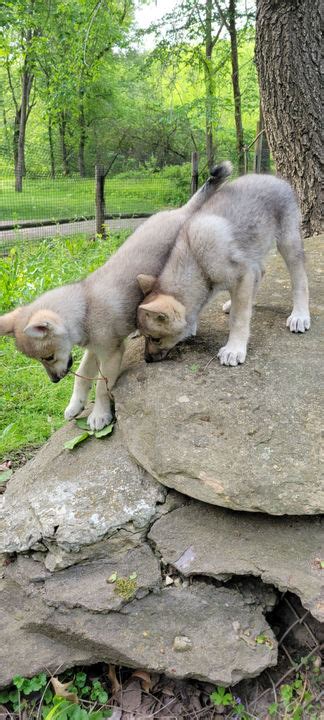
41,335
161,319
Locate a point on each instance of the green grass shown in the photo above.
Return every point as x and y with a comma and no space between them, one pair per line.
45,199
31,407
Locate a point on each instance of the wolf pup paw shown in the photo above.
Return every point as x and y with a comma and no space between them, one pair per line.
74,408
98,419
230,355
298,322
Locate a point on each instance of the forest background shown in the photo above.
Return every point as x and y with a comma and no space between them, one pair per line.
82,84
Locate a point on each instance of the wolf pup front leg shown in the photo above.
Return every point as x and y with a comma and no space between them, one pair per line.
234,352
109,370
87,371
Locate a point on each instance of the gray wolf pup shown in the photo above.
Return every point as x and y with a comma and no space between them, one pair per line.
99,312
222,247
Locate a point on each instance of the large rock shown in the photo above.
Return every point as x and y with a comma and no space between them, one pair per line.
209,633
199,539
81,584
246,438
67,500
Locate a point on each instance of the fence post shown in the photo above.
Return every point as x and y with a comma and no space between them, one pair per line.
100,200
194,172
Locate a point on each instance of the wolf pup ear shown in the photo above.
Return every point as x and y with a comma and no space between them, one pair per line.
37,330
146,283
7,323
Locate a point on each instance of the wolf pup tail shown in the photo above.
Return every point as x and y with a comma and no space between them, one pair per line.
217,176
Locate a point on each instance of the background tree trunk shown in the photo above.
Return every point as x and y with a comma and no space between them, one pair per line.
236,86
288,53
82,137
51,147
65,155
19,137
208,70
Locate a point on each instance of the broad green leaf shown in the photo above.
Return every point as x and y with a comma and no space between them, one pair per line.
105,431
71,444
82,423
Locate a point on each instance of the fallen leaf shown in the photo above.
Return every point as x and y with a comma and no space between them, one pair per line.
82,423
115,684
5,475
145,678
70,444
133,576
105,431
62,690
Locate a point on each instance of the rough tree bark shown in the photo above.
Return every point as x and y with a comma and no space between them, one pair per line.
236,85
288,53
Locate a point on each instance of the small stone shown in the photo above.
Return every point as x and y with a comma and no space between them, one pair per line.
182,643
168,580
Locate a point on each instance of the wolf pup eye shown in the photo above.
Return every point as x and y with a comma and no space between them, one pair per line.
155,340
48,359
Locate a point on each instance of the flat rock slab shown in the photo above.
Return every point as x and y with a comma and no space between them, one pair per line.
247,438
71,499
214,634
199,539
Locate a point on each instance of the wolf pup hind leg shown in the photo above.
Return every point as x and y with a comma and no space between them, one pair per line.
290,246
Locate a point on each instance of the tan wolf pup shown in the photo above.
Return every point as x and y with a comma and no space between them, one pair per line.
222,247
98,313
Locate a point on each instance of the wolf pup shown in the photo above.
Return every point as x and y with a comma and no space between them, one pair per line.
99,312
223,247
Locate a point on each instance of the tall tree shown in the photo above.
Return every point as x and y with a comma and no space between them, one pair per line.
288,54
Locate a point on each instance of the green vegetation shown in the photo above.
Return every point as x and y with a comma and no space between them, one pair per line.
81,698
298,699
31,407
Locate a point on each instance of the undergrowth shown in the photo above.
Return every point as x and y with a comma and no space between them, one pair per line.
79,698
31,407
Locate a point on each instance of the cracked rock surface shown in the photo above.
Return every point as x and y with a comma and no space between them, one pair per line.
247,437
77,590
199,539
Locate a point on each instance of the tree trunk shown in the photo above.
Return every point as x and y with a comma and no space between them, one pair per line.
261,148
65,155
209,89
27,81
236,86
51,147
82,138
288,36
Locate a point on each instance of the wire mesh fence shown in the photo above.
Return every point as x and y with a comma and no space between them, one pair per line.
49,207
64,206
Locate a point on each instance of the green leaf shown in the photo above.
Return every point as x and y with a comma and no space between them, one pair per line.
105,431
272,709
5,475
80,680
133,576
82,423
71,444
